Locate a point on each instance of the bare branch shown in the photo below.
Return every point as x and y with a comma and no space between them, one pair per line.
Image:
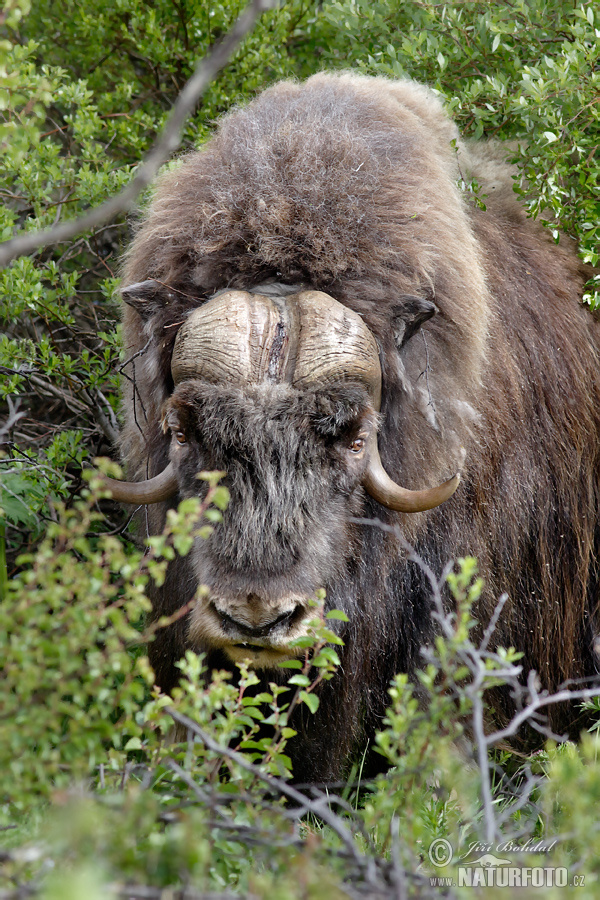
103,412
491,829
492,623
166,144
279,786
538,702
13,417
529,700
47,387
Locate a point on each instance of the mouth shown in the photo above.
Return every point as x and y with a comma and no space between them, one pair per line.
261,656
241,634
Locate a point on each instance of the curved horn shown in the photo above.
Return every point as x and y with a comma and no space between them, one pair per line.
380,486
334,344
161,487
228,340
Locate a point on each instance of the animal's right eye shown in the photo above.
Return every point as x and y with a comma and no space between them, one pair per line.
357,445
180,437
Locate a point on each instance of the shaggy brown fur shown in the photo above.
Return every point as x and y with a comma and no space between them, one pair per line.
348,185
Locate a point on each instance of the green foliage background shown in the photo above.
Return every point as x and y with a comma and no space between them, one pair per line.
85,87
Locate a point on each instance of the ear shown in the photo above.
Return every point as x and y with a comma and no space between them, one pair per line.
169,418
338,408
179,410
147,297
409,314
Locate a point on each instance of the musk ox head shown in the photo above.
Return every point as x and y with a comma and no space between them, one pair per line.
281,391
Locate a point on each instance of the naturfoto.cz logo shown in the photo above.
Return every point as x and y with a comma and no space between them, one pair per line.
489,870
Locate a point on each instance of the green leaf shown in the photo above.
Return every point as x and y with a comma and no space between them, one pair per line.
263,697
254,713
326,656
19,497
337,614
305,641
221,497
302,680
311,700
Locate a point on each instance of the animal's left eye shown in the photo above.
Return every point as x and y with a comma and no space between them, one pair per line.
357,445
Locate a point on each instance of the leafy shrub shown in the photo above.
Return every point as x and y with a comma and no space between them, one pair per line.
82,726
98,796
523,71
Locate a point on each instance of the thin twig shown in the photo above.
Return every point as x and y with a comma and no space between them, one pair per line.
539,701
167,143
318,808
528,697
71,402
13,417
492,623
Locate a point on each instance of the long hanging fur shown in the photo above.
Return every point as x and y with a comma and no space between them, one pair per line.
348,185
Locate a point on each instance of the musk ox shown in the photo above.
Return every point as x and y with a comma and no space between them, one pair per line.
315,307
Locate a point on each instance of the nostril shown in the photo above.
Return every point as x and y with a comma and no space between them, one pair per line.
284,618
228,623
